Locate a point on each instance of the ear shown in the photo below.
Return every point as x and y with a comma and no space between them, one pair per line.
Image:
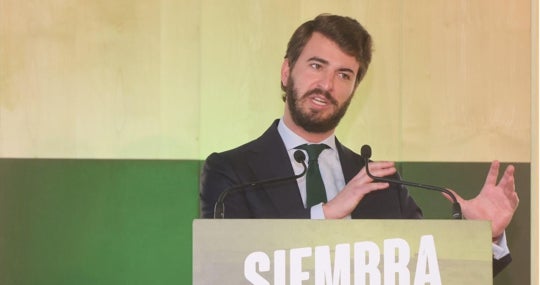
285,72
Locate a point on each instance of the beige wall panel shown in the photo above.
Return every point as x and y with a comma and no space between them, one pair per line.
98,79
449,81
535,136
466,81
243,75
180,81
242,48
374,116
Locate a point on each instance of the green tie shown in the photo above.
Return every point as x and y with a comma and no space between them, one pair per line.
314,183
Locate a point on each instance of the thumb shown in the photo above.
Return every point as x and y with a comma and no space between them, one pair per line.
458,198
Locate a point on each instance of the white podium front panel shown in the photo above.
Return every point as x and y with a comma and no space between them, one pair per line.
341,252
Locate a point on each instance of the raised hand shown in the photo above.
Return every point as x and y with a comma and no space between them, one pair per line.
347,200
496,202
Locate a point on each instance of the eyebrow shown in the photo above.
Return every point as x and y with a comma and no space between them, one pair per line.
325,62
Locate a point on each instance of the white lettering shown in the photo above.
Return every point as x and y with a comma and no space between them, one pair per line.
342,265
367,267
366,261
254,260
396,259
297,275
427,257
280,267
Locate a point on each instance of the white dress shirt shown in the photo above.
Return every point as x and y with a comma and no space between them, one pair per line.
329,165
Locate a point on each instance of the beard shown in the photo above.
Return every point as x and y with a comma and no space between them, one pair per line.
314,121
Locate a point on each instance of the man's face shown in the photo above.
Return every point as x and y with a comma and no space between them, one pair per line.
320,86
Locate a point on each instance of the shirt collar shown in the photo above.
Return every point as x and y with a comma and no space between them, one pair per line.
292,140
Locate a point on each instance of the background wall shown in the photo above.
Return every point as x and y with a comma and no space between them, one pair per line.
450,80
108,108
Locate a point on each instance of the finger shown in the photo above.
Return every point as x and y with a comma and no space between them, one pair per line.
376,169
507,181
376,186
362,178
382,172
380,185
515,200
491,178
458,198
375,166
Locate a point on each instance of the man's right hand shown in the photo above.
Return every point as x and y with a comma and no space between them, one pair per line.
346,201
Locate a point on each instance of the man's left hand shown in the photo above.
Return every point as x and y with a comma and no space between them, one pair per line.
495,202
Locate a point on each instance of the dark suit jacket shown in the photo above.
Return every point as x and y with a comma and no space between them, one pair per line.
266,158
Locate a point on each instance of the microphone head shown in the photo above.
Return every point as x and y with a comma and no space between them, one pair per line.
299,156
366,151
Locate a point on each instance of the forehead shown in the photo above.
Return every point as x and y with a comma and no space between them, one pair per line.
319,46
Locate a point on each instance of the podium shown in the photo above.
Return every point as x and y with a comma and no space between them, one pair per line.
260,251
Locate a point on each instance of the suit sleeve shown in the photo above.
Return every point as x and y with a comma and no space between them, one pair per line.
500,264
217,176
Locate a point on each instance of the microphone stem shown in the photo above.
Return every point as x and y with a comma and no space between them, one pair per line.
219,207
456,207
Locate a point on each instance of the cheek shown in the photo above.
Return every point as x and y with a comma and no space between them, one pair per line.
304,79
301,88
345,92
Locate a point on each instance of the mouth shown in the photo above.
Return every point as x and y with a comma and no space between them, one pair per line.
319,100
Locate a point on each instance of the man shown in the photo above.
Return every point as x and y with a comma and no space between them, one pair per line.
325,61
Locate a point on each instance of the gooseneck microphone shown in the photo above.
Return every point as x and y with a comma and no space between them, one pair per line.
456,208
219,207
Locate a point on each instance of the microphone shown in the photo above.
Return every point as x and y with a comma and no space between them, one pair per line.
219,207
456,207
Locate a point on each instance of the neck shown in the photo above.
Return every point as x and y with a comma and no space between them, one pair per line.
308,136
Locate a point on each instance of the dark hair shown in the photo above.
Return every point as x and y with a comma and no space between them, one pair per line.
346,32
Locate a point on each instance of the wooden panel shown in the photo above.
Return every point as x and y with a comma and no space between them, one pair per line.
99,79
466,81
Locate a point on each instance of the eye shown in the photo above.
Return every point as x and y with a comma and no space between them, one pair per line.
315,66
344,76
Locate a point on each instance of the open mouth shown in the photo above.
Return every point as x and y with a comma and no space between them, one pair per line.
320,101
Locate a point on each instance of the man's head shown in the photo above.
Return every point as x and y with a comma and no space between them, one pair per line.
347,33
326,59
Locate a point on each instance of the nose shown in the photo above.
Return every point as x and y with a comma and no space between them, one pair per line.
326,81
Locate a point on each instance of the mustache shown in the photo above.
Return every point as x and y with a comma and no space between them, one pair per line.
322,92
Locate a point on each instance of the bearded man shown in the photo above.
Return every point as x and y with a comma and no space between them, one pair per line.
326,59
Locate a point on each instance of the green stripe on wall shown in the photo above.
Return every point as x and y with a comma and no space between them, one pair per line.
129,221
96,221
467,178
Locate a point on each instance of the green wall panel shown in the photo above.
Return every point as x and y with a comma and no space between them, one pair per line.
467,179
96,221
129,221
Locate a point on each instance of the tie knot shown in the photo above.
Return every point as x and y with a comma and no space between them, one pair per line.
313,150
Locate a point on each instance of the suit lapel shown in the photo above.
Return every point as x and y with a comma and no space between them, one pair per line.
350,162
270,160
